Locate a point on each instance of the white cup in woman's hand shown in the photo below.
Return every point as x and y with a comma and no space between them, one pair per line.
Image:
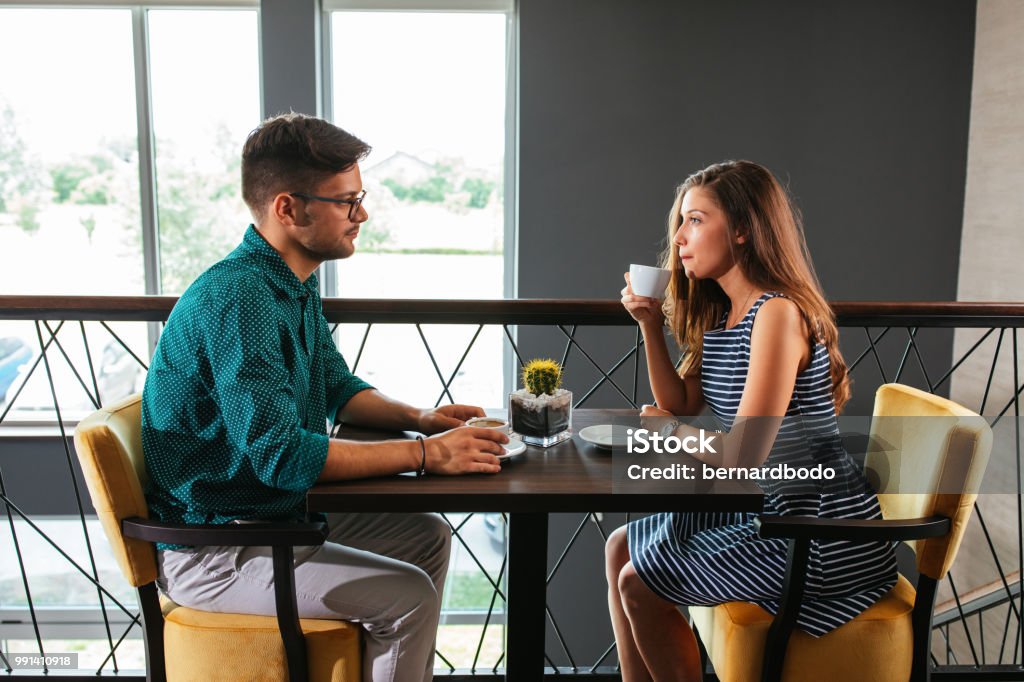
649,281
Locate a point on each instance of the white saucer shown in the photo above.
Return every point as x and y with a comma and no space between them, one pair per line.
513,447
600,435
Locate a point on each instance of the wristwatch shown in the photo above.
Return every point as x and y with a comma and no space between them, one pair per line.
669,429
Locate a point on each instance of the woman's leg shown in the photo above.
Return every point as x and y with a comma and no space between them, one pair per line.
664,639
616,557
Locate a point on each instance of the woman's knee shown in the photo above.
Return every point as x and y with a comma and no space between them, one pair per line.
635,593
616,554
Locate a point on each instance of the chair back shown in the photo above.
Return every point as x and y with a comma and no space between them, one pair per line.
930,455
109,447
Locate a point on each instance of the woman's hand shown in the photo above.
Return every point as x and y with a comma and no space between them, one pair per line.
644,309
654,418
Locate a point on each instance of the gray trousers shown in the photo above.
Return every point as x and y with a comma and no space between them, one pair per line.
383,571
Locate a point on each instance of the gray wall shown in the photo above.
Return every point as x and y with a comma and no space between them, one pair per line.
861,107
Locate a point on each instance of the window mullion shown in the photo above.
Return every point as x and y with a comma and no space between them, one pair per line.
147,161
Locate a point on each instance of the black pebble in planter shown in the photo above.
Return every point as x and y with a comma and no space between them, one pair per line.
544,425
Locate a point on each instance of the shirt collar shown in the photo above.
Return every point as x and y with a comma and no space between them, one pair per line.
280,275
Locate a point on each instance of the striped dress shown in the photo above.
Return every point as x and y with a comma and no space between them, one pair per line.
703,558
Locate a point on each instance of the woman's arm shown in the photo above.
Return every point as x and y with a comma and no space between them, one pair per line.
675,394
779,350
678,395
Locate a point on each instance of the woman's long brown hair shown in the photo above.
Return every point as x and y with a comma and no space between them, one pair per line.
774,257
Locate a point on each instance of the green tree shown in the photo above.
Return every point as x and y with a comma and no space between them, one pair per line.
21,183
479,191
200,211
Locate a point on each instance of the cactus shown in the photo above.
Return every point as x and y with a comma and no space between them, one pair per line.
542,376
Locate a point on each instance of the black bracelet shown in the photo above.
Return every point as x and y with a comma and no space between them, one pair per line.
423,457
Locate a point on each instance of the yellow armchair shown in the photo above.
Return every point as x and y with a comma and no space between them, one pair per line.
945,456
189,644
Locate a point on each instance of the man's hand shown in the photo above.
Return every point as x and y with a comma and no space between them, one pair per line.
446,417
465,450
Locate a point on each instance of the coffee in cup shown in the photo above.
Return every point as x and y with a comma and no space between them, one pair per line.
489,423
649,281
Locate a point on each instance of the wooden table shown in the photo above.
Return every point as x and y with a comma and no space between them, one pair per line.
573,476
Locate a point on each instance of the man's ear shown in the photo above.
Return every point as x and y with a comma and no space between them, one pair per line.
287,210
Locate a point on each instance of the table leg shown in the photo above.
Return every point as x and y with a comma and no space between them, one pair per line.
527,596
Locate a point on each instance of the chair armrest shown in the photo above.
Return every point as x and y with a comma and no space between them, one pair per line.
242,535
854,530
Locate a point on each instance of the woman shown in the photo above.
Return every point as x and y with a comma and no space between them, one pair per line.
760,341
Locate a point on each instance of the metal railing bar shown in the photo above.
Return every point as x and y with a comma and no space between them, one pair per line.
981,637
81,382
451,668
961,361
903,360
430,353
1010,403
114,647
872,348
362,345
479,565
31,524
498,663
572,541
991,372
568,346
1020,501
1006,634
920,363
7,664
600,382
607,651
74,480
125,346
490,610
455,371
561,640
28,376
600,528
88,357
515,348
963,619
1017,641
606,312
21,564
995,558
596,365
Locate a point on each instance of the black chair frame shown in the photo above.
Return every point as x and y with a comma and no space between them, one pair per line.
281,537
800,531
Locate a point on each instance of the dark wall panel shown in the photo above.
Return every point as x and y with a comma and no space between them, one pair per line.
861,108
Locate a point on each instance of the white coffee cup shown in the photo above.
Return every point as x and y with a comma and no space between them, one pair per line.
649,281
496,423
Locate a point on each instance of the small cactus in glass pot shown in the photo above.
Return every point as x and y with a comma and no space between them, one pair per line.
542,376
541,413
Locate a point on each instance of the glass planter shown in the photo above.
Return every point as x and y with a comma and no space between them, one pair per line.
541,420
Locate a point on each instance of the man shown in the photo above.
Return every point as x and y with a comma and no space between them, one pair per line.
237,405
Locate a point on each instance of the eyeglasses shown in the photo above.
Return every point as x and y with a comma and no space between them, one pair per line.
353,204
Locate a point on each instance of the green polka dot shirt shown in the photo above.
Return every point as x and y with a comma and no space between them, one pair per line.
241,393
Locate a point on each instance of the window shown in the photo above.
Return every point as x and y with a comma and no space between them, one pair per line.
69,164
73,210
427,90
205,74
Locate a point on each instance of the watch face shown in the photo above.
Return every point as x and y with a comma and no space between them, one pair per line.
669,429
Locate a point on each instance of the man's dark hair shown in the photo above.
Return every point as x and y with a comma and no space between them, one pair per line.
294,153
